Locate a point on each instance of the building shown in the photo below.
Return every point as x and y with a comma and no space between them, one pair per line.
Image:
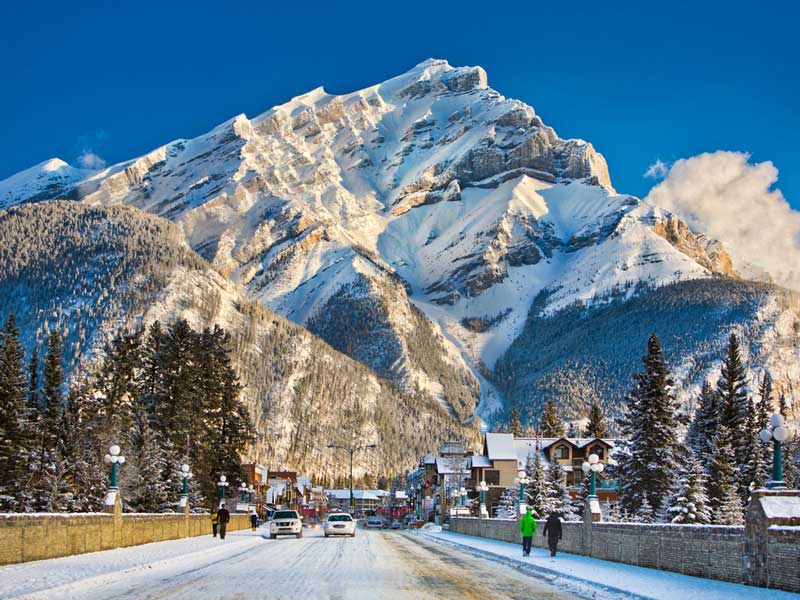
504,455
365,501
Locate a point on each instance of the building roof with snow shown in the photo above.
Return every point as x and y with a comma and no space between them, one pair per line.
500,446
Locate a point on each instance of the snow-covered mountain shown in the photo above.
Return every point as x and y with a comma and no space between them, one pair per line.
410,224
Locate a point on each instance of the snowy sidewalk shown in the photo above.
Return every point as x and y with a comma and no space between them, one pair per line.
38,578
639,582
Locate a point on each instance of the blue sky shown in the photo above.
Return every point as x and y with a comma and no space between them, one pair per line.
642,81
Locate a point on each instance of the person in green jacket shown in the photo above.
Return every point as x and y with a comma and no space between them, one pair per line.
527,527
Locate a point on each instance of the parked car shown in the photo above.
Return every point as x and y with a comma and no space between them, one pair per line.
339,524
396,524
286,522
374,523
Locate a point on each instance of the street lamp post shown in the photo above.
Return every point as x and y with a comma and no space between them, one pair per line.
352,449
251,490
483,488
185,474
456,496
778,432
242,491
222,484
522,480
463,495
114,458
593,467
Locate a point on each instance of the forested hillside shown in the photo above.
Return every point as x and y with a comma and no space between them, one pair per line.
124,268
581,354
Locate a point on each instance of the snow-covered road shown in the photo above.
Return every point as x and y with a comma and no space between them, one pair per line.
374,564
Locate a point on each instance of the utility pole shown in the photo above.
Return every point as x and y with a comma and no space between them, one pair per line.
352,449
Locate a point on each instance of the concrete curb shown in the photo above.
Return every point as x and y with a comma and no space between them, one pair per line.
533,569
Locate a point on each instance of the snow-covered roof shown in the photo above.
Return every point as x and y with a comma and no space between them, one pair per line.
400,495
428,459
480,461
451,464
373,495
500,446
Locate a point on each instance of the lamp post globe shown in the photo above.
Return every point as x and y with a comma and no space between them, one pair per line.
222,484
114,458
185,473
777,432
592,467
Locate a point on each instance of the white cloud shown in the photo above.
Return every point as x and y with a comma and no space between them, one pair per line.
90,160
724,195
658,170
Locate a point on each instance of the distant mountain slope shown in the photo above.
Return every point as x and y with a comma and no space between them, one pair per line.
584,353
410,224
91,270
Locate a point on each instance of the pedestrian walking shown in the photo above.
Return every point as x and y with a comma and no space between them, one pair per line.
224,516
527,527
552,529
214,521
253,520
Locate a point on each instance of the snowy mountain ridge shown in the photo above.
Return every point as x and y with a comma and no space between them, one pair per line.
426,212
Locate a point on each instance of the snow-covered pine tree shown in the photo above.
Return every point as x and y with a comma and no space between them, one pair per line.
723,495
791,448
645,513
33,381
559,499
536,491
647,465
596,428
15,432
52,394
704,424
755,471
152,468
116,381
507,505
689,505
514,422
550,422
734,399
84,449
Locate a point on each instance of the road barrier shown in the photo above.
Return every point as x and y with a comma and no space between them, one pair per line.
37,536
764,552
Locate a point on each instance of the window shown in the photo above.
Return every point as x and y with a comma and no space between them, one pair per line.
562,452
597,450
491,476
343,518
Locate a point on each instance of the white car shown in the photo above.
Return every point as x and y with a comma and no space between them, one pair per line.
339,524
286,522
374,523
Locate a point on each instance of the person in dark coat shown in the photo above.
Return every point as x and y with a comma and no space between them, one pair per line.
552,529
253,520
224,517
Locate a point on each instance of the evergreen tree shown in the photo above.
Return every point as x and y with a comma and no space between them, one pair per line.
116,382
646,468
33,381
536,492
596,428
551,424
507,506
52,394
705,422
690,504
790,447
754,471
15,434
83,449
152,483
735,402
723,496
514,422
645,513
558,497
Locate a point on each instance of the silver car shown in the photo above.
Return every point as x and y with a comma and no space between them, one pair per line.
339,524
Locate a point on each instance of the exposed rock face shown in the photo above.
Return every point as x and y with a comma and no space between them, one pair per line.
706,251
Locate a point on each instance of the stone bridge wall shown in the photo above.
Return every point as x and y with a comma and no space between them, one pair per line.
26,537
765,552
